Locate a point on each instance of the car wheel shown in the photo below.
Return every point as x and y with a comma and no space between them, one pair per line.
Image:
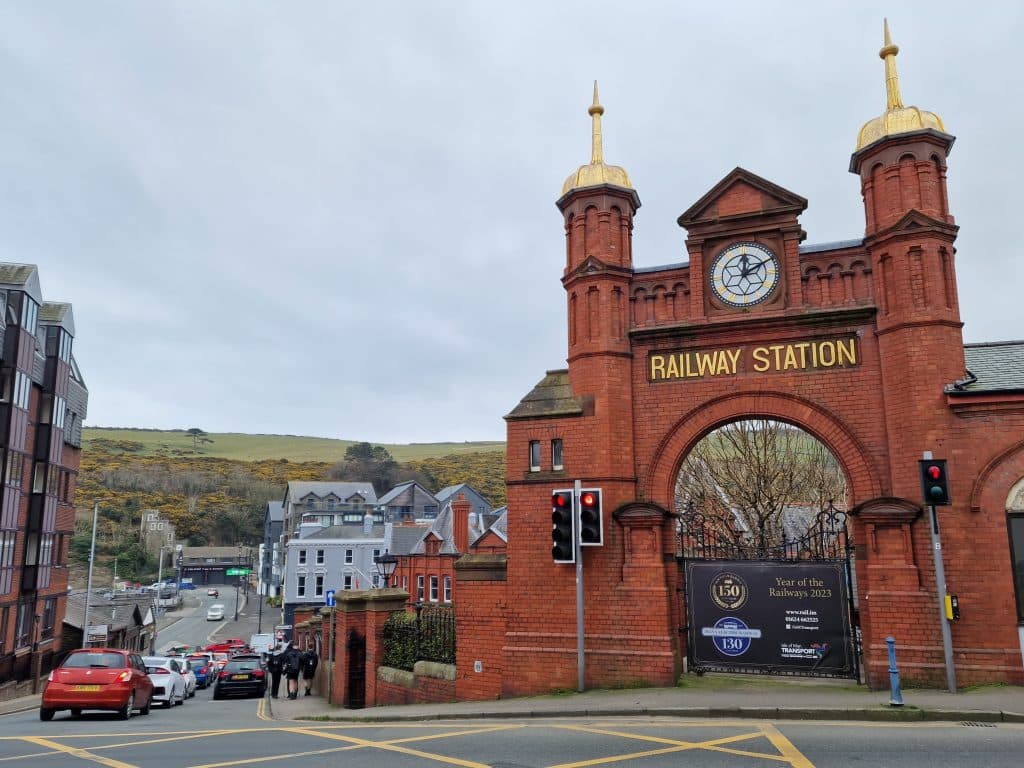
145,710
76,713
125,712
46,714
217,694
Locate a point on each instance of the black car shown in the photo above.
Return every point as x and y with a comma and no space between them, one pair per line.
241,675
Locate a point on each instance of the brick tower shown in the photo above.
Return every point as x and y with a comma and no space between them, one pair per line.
598,203
909,235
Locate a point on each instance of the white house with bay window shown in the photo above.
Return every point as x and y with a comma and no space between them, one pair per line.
323,558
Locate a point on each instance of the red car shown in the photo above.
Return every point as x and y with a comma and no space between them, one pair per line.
226,646
98,678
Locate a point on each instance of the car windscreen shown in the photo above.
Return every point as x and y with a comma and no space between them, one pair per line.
99,660
244,665
157,671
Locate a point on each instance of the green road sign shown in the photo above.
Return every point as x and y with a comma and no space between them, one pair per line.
237,572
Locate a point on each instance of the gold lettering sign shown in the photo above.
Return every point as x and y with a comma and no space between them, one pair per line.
818,354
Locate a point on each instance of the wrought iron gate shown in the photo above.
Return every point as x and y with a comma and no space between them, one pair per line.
760,606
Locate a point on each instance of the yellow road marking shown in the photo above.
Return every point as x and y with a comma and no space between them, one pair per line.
79,753
204,735
681,746
26,757
402,750
359,743
785,747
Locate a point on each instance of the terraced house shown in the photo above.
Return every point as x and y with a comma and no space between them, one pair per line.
43,402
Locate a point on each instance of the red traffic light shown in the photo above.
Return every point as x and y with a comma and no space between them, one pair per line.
588,499
561,500
934,472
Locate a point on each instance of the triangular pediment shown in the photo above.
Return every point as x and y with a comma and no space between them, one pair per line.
740,194
915,220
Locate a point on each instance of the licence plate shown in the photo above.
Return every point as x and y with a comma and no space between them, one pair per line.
239,677
88,688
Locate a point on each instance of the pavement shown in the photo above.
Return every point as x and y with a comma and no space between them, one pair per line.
709,695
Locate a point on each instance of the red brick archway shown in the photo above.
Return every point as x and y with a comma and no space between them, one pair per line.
657,357
689,428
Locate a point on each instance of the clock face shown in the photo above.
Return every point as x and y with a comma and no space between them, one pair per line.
744,274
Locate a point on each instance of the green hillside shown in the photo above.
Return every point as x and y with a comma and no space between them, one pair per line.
239,447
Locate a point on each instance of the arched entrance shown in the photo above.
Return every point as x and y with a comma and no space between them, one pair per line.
765,554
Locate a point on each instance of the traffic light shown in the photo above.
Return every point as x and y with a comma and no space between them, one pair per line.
563,527
591,529
934,482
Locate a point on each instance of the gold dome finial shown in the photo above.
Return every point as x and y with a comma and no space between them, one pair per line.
596,172
892,78
597,148
896,119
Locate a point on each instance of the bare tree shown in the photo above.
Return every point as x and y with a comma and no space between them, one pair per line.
751,471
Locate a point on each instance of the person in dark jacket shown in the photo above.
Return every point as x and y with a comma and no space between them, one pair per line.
275,666
292,666
310,660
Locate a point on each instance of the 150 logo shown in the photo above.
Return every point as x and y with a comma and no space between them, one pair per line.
728,591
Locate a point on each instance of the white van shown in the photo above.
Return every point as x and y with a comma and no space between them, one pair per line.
262,643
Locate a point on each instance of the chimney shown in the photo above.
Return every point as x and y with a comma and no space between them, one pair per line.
367,524
460,523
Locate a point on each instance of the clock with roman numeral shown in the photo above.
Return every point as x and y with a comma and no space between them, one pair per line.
744,274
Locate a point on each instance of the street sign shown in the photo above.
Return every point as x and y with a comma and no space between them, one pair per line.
237,572
96,633
329,598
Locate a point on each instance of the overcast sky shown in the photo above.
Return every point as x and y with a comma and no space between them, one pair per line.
338,219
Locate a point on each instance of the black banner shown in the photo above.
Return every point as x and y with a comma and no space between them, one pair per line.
767,616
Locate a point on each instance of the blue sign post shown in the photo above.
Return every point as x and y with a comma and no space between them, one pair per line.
329,598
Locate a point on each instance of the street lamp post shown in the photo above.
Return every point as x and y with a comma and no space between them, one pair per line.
385,565
238,584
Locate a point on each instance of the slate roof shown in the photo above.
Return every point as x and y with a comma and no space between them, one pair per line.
405,537
499,526
400,489
275,510
298,489
995,367
833,246
551,397
442,529
350,532
217,553
57,313
24,276
118,612
446,494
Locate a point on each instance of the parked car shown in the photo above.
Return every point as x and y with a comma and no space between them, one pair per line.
215,612
212,592
226,646
98,678
203,668
242,674
168,683
191,681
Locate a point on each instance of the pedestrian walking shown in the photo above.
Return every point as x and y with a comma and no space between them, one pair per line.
292,666
310,660
275,666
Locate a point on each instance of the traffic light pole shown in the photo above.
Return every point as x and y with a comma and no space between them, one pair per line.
578,554
940,588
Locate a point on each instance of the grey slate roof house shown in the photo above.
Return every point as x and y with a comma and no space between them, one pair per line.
326,502
408,501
